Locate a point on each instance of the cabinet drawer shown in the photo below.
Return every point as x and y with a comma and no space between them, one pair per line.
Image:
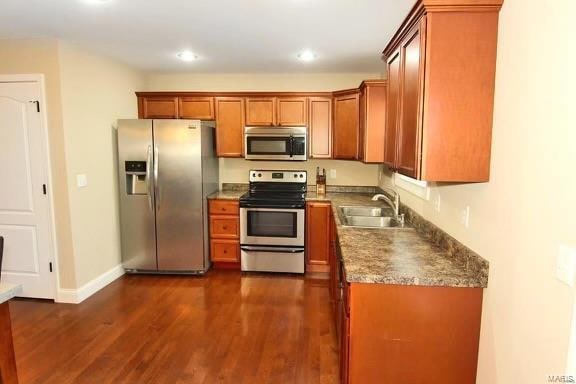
223,207
224,226
225,250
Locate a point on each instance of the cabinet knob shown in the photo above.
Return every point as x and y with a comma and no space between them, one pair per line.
225,251
224,227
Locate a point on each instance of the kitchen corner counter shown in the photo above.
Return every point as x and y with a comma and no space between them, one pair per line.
419,254
8,291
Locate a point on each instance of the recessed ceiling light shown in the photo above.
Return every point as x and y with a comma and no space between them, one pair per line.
306,55
187,56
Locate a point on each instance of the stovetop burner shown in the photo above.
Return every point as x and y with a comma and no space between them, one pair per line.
275,189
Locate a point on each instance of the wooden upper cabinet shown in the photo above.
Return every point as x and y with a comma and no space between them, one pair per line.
158,107
441,91
411,57
320,127
392,110
260,111
346,125
229,126
201,108
292,111
372,120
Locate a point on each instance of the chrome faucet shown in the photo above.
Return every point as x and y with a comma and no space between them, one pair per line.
395,205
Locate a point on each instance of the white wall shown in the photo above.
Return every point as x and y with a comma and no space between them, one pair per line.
519,219
347,172
41,56
96,92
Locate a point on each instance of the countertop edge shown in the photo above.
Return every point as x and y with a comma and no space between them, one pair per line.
9,291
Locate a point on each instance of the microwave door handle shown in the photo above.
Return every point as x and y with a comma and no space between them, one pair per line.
291,144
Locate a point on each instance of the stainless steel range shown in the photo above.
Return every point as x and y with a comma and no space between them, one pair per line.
272,222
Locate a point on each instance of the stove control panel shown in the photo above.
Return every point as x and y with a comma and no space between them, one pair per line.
258,175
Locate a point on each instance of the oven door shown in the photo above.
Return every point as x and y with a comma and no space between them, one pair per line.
272,226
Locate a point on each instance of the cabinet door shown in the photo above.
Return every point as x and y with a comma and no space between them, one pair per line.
229,126
292,111
320,128
201,108
226,251
362,105
373,122
344,346
334,271
318,236
346,126
260,111
411,74
159,107
392,111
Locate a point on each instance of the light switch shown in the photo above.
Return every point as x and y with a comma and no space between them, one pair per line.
81,180
566,267
332,173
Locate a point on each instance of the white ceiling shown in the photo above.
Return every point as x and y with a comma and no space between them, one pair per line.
233,36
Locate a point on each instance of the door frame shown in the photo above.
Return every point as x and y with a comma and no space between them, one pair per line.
53,246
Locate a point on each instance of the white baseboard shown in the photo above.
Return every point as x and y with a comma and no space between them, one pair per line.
76,296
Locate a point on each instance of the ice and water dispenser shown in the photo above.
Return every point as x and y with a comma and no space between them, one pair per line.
136,183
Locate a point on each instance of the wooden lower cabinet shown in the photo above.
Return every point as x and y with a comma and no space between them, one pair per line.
223,250
224,218
394,334
318,237
8,374
412,334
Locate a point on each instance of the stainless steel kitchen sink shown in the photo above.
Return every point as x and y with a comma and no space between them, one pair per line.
365,211
368,217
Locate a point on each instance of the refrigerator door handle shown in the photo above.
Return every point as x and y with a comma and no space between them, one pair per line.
156,186
148,175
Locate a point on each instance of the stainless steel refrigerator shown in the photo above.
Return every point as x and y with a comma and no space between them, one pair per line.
166,169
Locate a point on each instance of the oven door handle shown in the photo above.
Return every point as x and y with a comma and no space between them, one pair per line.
272,249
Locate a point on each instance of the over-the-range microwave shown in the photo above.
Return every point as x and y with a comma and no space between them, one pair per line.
275,143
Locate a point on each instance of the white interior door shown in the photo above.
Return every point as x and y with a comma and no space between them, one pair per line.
24,206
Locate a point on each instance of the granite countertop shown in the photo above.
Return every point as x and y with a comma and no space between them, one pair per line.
419,254
405,256
8,291
226,195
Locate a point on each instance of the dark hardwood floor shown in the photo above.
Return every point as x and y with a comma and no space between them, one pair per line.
221,328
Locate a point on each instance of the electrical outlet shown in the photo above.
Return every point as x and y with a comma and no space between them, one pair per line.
81,180
437,203
332,173
465,218
566,266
